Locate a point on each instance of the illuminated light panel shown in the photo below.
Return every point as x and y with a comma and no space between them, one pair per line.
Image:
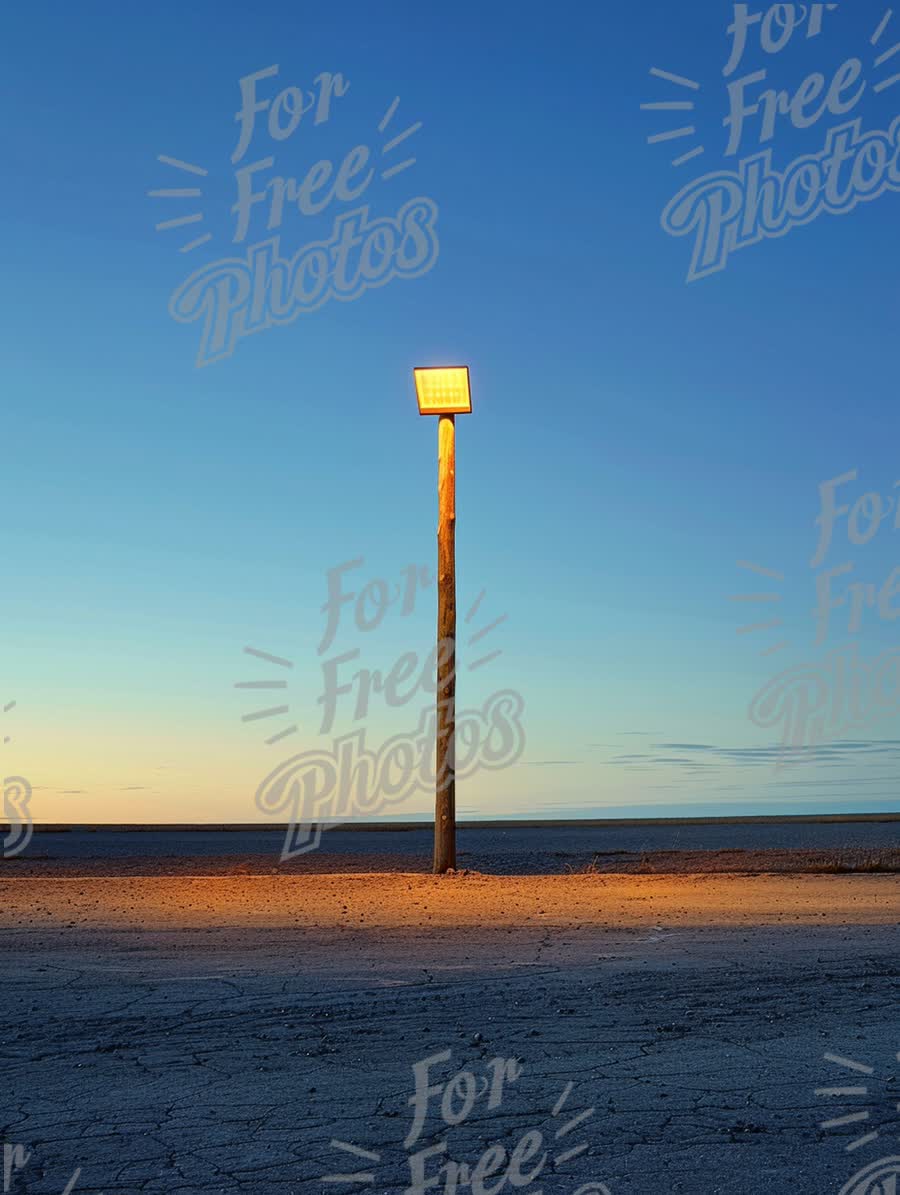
443,391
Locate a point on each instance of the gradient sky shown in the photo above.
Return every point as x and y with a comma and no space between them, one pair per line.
633,437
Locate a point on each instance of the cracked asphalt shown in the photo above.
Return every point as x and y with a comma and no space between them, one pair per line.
219,1034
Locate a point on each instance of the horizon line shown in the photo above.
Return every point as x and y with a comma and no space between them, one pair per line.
486,824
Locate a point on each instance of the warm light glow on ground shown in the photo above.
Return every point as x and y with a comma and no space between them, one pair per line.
406,901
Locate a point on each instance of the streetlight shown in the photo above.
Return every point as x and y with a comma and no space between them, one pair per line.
445,392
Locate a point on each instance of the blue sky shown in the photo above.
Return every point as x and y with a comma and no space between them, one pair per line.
633,436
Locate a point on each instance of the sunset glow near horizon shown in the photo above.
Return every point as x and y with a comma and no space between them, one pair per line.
656,474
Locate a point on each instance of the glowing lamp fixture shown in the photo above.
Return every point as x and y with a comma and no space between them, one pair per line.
443,391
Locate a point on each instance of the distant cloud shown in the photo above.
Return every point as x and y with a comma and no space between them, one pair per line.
549,763
133,788
840,782
705,757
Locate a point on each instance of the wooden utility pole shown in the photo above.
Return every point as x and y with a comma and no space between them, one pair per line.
444,391
445,754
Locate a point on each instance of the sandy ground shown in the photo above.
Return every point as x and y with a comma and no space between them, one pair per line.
220,1033
336,902
860,860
